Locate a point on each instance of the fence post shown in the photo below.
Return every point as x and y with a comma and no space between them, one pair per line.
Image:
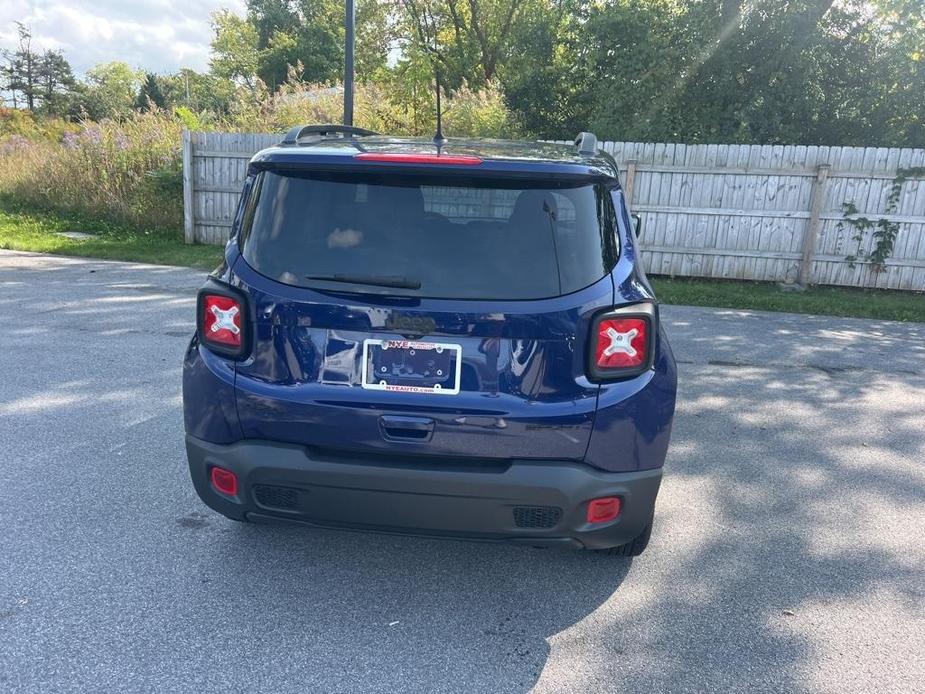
189,231
628,183
812,225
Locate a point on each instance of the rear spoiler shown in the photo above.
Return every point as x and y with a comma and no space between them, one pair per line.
536,172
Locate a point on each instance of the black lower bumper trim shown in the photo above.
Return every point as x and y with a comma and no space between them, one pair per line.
539,541
408,499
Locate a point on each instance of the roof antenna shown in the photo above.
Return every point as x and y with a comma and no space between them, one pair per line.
439,139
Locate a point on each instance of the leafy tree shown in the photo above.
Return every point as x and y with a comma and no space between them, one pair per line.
410,89
150,94
752,85
43,80
22,68
297,32
633,63
768,71
199,92
110,90
545,81
377,30
234,48
278,35
761,71
6,79
467,40
56,82
900,61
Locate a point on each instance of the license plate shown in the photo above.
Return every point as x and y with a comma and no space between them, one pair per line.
412,367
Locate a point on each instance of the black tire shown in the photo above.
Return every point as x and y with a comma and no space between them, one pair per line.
631,549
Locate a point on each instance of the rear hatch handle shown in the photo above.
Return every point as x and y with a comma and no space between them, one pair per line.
404,428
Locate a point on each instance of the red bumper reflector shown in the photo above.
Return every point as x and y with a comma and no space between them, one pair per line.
399,158
224,481
604,509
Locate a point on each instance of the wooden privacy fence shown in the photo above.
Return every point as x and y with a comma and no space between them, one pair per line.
756,212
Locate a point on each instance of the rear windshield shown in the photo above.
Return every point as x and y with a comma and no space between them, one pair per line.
426,237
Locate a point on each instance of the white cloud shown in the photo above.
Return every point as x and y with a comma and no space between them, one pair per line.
155,35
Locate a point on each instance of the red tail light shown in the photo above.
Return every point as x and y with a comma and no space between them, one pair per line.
223,322
622,342
400,158
224,481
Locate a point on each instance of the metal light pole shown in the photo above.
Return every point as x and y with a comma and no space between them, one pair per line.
349,21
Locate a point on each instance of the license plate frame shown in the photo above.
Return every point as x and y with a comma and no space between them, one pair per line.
408,350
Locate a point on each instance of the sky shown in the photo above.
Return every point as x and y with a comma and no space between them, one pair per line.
154,35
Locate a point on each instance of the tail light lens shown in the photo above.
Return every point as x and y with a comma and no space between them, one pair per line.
604,509
224,481
222,321
622,342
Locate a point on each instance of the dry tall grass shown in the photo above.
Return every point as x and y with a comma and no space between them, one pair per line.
126,172
129,171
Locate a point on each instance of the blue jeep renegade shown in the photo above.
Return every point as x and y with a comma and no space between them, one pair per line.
453,340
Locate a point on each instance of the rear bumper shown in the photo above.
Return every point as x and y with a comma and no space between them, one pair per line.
525,501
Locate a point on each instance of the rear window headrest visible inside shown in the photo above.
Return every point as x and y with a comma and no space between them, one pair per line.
404,199
534,207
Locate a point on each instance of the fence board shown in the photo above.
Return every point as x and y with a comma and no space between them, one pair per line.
718,211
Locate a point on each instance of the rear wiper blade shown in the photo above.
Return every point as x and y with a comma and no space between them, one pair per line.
372,280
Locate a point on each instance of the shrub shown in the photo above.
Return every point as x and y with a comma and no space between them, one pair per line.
377,106
125,172
24,123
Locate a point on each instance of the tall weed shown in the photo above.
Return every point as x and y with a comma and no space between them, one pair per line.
126,172
129,171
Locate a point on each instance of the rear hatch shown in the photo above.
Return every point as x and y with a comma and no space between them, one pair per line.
435,314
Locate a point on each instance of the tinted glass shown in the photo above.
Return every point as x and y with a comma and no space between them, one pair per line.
435,238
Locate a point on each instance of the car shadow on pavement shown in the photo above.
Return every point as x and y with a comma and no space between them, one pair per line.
372,612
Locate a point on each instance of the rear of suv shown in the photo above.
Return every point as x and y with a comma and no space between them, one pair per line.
454,340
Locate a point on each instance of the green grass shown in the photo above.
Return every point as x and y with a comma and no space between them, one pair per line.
29,230
763,296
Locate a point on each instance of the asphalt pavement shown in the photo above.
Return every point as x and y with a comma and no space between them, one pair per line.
788,552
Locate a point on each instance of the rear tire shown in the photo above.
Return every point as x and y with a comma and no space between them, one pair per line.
631,549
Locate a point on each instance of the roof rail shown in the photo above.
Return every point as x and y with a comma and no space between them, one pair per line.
587,144
324,130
